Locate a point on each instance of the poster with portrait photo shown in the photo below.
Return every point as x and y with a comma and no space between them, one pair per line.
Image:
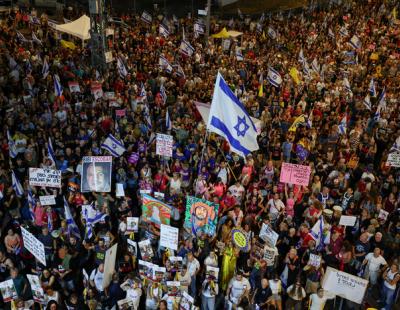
36,288
176,263
132,224
96,174
125,304
186,302
146,250
212,272
132,247
8,291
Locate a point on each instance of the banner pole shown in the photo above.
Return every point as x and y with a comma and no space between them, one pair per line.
229,166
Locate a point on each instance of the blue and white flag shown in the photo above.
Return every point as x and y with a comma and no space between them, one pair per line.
315,66
274,77
239,55
73,229
186,48
371,88
164,64
240,14
302,59
12,149
51,153
382,99
58,90
45,68
16,185
272,33
121,68
350,58
21,37
179,71
396,146
36,39
367,102
163,31
115,147
148,119
343,31
355,42
320,234
92,216
163,93
168,123
229,119
331,34
146,17
198,28
342,128
259,28
346,85
262,18
31,204
307,70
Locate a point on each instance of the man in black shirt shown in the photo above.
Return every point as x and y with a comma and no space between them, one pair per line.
261,295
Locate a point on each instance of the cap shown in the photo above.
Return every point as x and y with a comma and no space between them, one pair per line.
327,212
337,208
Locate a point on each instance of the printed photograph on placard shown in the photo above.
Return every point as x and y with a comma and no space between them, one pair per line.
8,291
201,216
96,174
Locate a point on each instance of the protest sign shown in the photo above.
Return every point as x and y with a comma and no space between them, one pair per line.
125,304
109,264
97,90
173,287
164,145
119,190
120,112
347,220
169,237
186,302
96,174
295,174
344,285
8,291
132,247
133,158
155,211
33,245
383,215
239,239
314,260
158,273
201,216
47,200
146,251
36,288
132,224
212,271
109,95
146,269
159,195
268,235
74,87
393,159
44,177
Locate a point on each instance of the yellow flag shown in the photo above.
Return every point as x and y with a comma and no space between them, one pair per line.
394,13
68,44
295,75
261,88
263,35
300,119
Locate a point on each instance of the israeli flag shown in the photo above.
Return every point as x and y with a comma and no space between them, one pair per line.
164,64
259,28
163,31
21,37
355,42
168,123
31,204
45,68
229,119
146,17
239,55
396,146
371,88
367,102
12,149
51,153
343,31
274,77
343,126
16,185
179,71
382,99
302,59
346,85
306,69
186,48
315,66
148,118
142,94
163,93
58,90
114,146
92,216
72,227
331,34
377,115
271,33
36,39
121,68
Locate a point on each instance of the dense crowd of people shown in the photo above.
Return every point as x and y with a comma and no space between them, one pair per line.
335,110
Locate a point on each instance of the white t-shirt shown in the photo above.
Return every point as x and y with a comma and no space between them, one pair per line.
275,207
134,295
237,288
193,266
318,303
270,254
97,277
374,263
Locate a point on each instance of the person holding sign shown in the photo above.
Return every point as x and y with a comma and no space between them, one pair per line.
317,300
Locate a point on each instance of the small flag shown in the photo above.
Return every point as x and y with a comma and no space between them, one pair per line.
186,48
12,149
45,68
163,93
168,123
331,34
146,17
16,185
367,102
21,37
164,64
355,42
35,39
259,28
240,14
163,31
271,33
31,204
396,146
315,66
261,87
115,147
121,68
262,18
382,99
371,88
51,153
302,59
306,69
72,227
274,77
343,31
342,128
239,55
346,85
58,90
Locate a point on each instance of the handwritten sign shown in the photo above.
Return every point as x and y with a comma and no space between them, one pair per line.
169,237
34,246
44,177
314,260
295,174
394,160
344,285
347,220
164,145
47,200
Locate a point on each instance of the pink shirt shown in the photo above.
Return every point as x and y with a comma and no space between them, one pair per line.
289,208
39,211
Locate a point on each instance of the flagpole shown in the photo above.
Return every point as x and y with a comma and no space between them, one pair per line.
204,147
229,166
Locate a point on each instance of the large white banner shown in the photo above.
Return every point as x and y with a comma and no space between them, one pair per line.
34,246
44,177
169,237
109,264
344,285
164,145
